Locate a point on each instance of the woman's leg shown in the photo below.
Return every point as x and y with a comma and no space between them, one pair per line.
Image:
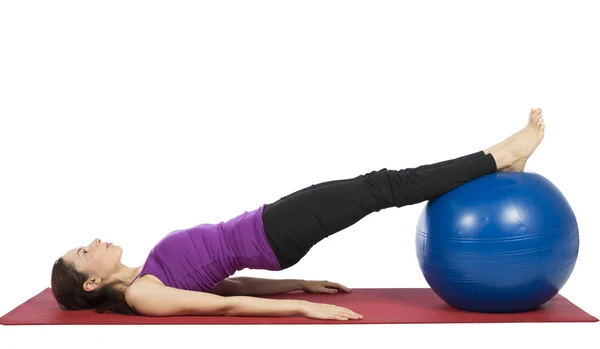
297,222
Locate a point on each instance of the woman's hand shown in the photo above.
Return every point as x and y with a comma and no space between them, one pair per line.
322,287
327,312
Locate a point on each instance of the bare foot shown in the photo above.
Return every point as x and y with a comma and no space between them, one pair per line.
512,154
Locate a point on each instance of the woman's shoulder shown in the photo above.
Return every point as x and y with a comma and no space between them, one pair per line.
141,286
144,281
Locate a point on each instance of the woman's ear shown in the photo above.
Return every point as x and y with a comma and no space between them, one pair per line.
91,284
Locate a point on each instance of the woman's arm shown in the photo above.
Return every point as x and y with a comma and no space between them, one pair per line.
152,299
249,286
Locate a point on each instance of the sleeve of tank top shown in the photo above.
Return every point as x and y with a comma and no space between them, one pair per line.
152,299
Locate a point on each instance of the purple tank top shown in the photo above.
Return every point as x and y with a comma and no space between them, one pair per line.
199,257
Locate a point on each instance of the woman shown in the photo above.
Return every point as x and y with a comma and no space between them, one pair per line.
188,271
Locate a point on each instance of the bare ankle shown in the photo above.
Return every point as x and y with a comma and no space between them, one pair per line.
503,159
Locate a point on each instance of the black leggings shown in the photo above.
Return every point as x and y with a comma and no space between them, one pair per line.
296,222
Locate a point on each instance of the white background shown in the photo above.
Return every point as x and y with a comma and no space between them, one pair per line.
126,120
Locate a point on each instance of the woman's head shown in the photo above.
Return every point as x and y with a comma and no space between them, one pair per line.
87,277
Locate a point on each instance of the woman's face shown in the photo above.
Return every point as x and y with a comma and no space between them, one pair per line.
99,260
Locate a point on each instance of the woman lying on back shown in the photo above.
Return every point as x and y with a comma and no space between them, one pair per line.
189,271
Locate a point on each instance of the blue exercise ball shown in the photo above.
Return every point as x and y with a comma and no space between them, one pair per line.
503,243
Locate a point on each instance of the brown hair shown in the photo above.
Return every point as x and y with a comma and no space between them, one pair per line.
67,287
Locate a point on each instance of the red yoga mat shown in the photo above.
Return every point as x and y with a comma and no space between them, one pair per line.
378,306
